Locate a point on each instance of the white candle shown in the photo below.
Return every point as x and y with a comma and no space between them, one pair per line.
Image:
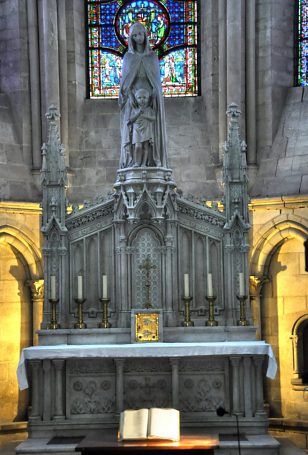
80,287
242,285
52,287
186,285
104,287
209,285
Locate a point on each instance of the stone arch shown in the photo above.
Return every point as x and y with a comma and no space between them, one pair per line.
26,247
271,237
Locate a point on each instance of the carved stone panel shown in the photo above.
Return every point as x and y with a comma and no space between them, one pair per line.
147,383
202,385
90,387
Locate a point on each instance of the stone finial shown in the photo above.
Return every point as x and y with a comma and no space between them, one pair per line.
53,113
233,111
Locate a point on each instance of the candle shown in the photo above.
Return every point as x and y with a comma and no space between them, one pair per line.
242,285
209,285
80,287
104,287
52,287
186,285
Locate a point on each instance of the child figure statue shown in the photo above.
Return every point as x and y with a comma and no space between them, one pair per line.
141,129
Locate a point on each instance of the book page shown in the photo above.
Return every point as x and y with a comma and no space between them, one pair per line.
164,424
133,424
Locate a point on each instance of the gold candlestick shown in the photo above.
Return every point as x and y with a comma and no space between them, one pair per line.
242,321
53,320
187,321
105,324
211,322
80,324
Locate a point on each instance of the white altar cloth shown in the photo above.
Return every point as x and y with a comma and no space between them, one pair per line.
225,348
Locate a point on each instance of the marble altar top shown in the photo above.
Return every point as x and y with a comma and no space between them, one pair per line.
145,350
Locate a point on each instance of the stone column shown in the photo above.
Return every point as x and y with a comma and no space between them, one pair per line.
235,366
247,387
119,363
175,382
51,52
35,83
258,362
170,278
37,291
255,286
58,390
251,82
294,339
46,390
235,44
63,76
36,392
222,68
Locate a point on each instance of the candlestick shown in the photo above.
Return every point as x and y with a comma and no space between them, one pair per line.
209,285
242,321
187,321
105,324
242,283
80,287
211,322
186,285
53,319
80,324
52,287
104,287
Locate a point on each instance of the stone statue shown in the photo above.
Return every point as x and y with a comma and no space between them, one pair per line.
142,132
142,112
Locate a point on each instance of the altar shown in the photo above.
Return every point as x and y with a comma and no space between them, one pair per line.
146,291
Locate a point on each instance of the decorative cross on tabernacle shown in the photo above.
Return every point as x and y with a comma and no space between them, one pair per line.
147,266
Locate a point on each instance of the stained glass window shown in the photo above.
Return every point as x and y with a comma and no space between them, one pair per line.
173,34
302,70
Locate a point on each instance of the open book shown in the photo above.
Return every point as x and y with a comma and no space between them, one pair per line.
154,423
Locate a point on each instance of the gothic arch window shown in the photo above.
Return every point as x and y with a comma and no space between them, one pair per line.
173,33
302,42
300,352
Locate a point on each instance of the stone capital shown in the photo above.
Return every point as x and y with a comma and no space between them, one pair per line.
255,283
37,289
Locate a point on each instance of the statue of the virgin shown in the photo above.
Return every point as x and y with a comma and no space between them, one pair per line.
141,71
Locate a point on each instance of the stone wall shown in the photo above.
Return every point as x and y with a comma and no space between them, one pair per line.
283,170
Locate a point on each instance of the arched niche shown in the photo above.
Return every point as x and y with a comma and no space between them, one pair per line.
299,339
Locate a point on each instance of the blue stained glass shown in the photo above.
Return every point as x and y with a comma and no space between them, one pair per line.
176,10
151,14
175,35
109,38
108,11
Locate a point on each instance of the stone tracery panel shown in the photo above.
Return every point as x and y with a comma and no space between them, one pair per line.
146,246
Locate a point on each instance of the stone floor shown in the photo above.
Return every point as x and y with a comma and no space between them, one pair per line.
287,448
